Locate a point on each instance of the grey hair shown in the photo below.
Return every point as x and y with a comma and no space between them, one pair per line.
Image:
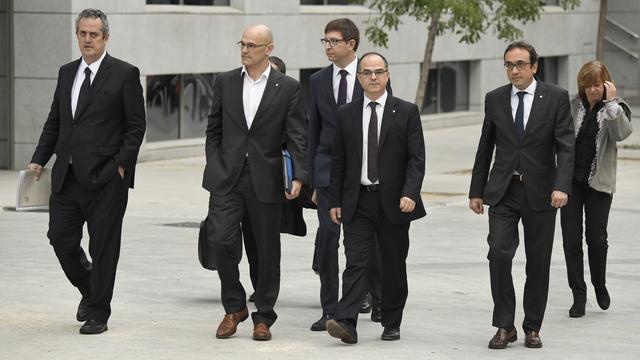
94,14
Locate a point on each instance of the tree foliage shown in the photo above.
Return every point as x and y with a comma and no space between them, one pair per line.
469,19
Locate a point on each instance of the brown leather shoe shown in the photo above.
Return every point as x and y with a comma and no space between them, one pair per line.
502,338
261,332
532,340
229,324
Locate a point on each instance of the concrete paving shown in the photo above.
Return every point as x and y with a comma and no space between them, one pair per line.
166,306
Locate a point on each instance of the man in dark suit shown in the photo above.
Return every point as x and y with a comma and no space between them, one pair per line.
377,168
330,88
254,111
95,127
529,124
291,211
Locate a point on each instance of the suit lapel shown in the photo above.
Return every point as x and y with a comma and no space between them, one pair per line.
66,86
536,108
356,115
388,115
357,90
506,109
236,92
270,91
101,77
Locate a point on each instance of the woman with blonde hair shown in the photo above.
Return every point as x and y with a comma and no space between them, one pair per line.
601,119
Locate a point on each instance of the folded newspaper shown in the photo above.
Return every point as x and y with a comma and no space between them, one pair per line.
32,194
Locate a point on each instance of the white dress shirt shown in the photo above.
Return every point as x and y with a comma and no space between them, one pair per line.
527,100
252,91
352,68
366,116
79,79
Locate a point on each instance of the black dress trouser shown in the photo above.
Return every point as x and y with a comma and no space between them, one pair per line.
369,223
102,210
596,206
224,218
503,241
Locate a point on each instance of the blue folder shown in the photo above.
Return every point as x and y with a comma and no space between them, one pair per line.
287,170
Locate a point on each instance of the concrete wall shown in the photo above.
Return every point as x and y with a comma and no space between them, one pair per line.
625,68
201,39
4,86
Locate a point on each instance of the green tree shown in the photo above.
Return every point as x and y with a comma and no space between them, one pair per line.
469,19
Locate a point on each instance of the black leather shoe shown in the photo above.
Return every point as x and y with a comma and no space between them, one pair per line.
252,297
342,331
81,314
390,334
321,324
602,295
532,340
376,314
577,310
502,338
365,306
92,327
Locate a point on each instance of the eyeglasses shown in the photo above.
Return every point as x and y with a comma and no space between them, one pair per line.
249,46
520,65
378,73
331,42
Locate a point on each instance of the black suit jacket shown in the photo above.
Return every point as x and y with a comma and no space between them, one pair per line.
401,159
106,132
545,156
323,112
279,120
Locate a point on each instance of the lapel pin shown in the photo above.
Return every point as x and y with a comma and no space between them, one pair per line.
540,96
394,111
276,84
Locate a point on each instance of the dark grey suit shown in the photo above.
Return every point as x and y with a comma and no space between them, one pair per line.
105,133
545,160
244,175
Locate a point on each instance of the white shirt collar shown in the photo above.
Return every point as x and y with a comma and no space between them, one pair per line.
531,89
264,75
94,65
352,68
381,100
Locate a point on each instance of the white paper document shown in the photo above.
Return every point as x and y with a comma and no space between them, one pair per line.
32,194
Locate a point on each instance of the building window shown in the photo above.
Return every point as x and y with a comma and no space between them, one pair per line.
447,88
178,105
305,74
324,2
189,2
548,69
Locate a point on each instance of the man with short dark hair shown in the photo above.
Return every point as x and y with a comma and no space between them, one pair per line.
377,168
95,127
529,124
330,88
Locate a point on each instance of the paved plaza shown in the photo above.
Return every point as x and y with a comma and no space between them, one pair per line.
166,306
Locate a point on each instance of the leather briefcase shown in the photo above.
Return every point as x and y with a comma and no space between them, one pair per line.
206,253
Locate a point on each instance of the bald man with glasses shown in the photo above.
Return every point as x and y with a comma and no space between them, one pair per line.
254,112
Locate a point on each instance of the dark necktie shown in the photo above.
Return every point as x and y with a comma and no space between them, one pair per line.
342,88
520,116
84,90
372,145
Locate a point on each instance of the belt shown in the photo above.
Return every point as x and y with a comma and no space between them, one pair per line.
517,178
370,188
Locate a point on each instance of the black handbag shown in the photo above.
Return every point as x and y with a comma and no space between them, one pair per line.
206,254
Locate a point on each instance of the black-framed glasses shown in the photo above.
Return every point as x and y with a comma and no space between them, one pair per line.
378,73
249,46
331,42
520,65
